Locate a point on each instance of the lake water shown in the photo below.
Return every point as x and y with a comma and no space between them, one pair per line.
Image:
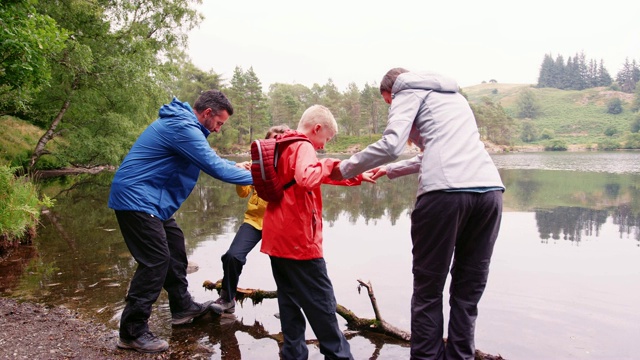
564,280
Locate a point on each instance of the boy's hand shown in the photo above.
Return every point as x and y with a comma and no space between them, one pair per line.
377,173
367,176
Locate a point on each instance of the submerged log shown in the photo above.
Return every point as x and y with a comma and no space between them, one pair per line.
377,325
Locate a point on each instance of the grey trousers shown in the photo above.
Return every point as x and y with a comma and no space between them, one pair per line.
462,226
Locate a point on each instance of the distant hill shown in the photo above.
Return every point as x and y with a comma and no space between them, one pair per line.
577,117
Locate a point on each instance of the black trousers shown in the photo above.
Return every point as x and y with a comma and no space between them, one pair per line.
158,248
445,225
234,259
303,285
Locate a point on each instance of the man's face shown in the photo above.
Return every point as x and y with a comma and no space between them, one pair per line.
213,122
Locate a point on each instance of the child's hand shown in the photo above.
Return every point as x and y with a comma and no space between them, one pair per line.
377,173
368,177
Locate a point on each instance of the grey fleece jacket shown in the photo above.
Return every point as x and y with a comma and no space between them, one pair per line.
428,110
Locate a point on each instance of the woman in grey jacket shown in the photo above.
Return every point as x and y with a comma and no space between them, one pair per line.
458,208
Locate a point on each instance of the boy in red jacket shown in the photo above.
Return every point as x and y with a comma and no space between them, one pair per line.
292,237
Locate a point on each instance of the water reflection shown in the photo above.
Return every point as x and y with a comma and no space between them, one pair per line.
84,264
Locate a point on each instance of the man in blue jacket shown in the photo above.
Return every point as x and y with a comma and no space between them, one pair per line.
155,178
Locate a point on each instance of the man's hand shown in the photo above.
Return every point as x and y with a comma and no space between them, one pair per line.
336,175
244,165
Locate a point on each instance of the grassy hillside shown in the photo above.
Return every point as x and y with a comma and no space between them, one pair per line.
17,140
577,117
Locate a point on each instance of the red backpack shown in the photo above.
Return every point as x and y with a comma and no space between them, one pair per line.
264,160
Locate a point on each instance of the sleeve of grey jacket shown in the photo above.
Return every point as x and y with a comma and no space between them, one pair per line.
404,107
404,167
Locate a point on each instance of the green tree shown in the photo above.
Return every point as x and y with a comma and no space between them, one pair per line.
628,76
188,81
237,94
109,81
635,125
28,39
374,109
256,106
529,132
287,103
528,104
351,111
635,105
614,106
493,122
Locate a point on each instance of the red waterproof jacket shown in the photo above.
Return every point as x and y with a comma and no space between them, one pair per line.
292,228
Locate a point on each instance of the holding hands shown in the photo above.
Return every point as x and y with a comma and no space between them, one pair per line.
376,173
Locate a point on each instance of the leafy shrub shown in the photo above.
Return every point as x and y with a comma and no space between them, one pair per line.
529,132
547,134
19,207
608,144
610,131
635,125
614,106
556,145
632,141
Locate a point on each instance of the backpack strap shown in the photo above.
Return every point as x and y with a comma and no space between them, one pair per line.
288,140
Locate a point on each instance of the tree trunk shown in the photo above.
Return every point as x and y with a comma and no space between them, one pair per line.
51,131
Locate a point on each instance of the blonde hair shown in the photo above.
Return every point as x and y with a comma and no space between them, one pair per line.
318,114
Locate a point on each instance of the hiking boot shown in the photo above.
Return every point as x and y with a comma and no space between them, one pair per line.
223,306
194,311
145,343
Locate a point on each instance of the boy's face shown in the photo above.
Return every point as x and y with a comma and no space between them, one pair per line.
320,135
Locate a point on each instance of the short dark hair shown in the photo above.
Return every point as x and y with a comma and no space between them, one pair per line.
215,100
386,85
276,129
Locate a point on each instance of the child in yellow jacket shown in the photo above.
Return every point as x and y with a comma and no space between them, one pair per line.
247,237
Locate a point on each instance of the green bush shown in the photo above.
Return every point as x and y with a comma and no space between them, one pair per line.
609,144
529,132
610,131
614,106
556,145
19,207
547,134
632,141
635,125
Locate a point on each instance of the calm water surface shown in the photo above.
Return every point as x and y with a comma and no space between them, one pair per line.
563,283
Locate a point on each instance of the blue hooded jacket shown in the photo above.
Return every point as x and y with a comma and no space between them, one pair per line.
163,165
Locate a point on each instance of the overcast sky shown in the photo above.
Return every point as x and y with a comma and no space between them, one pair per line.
307,42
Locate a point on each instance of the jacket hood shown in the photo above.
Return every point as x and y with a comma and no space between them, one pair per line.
426,81
176,109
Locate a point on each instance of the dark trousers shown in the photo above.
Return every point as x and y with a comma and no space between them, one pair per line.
445,225
234,259
304,284
158,248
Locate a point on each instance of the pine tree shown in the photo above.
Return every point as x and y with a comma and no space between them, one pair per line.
545,79
256,106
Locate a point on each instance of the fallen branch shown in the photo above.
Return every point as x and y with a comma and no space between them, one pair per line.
377,325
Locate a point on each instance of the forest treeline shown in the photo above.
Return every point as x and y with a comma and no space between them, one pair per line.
92,75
